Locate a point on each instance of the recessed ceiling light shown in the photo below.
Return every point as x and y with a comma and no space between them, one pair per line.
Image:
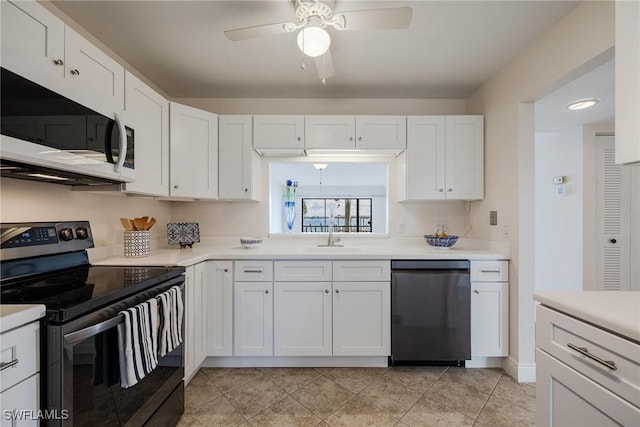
581,104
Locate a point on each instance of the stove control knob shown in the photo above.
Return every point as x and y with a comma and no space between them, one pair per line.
82,233
66,234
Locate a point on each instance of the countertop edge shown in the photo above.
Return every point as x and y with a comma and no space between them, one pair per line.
15,315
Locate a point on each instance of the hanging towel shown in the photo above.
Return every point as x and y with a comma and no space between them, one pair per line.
171,314
138,342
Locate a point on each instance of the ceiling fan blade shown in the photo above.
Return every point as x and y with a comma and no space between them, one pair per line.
324,65
254,32
395,18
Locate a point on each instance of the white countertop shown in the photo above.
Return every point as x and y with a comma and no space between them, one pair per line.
616,311
305,248
15,315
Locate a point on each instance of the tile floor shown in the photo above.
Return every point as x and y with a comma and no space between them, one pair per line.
396,396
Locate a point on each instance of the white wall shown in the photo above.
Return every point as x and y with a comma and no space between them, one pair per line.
561,54
558,220
33,201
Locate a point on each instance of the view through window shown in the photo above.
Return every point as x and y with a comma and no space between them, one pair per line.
346,215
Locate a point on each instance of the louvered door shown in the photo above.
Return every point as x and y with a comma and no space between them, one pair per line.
613,195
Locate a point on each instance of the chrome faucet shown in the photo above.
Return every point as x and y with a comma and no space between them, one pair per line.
332,240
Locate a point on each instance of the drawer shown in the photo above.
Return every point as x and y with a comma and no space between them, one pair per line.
253,271
489,271
23,397
21,344
362,271
302,271
555,332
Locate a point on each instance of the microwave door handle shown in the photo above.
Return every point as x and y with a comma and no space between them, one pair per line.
122,149
89,331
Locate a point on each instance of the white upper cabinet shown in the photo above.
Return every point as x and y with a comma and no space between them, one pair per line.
330,132
194,153
95,79
38,46
150,114
33,43
278,134
239,167
444,159
627,82
355,132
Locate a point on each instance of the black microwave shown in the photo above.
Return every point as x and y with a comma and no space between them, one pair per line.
48,137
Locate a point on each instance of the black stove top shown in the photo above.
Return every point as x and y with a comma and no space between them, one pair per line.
71,293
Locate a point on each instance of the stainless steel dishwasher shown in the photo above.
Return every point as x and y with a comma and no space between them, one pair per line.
430,312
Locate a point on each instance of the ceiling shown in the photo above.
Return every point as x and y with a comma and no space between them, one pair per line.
450,48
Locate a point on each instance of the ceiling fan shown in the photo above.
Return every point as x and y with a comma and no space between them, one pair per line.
313,16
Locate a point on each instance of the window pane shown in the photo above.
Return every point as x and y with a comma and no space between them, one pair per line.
349,215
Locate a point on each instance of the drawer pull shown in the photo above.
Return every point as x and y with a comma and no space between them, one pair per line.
489,270
585,352
252,271
5,365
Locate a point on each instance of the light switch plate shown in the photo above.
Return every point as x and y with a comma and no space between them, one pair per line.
493,218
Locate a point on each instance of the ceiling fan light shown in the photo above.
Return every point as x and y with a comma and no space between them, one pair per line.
313,41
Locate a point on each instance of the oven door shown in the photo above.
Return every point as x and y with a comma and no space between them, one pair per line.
83,377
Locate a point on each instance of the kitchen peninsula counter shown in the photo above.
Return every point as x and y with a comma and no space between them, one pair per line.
303,248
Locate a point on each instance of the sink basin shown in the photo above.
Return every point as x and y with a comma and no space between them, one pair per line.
331,249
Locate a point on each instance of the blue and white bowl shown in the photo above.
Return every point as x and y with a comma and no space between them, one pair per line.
250,242
440,242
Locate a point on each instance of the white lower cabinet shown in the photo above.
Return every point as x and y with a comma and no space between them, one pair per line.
220,308
21,398
361,319
253,319
302,319
195,342
489,319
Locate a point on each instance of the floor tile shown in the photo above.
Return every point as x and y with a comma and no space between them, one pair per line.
188,420
324,371
256,396
503,413
484,380
290,379
218,412
226,379
200,390
426,412
390,396
322,396
359,413
418,378
355,379
287,412
522,395
459,397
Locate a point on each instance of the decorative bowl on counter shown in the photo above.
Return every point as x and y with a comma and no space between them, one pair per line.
250,242
440,242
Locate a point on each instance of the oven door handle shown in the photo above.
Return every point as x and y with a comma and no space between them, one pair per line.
89,331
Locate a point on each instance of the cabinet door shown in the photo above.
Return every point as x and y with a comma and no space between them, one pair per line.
220,308
381,132
22,398
302,318
489,319
200,315
464,167
150,114
278,132
421,168
94,78
361,319
33,43
565,397
194,152
330,132
189,314
253,319
239,166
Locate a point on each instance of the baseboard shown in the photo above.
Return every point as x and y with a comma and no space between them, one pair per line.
485,362
296,362
523,372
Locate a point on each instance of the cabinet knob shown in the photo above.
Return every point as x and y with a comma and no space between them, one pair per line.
266,291
450,190
337,291
476,291
75,72
614,241
176,186
350,138
441,190
299,138
226,270
359,138
246,189
58,62
326,291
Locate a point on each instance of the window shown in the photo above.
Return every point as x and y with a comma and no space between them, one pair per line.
346,215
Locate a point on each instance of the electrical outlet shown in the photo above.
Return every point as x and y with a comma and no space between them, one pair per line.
506,231
402,228
493,218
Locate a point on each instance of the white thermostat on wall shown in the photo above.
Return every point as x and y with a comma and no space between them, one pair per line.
559,180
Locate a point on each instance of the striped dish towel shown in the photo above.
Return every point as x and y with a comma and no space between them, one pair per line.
138,342
171,314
